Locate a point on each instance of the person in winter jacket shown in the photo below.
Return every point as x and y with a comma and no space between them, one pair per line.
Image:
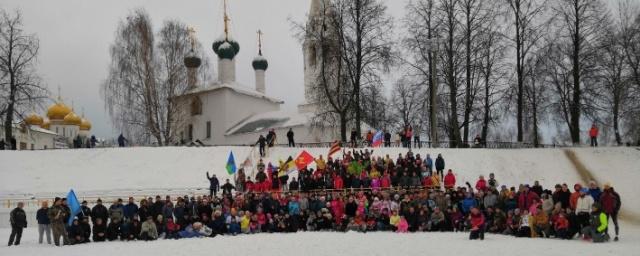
402,225
594,191
610,201
130,210
561,226
58,216
262,143
481,184
44,224
527,198
449,180
598,224
148,231
18,220
214,185
227,187
76,233
583,208
99,211
99,230
476,221
116,212
526,220
290,134
593,134
440,165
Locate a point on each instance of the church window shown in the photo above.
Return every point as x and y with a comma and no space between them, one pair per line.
208,129
196,106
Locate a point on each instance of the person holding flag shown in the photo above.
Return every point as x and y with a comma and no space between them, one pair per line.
378,138
58,215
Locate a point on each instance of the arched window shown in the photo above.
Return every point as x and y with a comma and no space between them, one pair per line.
196,106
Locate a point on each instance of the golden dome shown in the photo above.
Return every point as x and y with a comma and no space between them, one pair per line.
45,124
72,119
85,125
58,111
33,119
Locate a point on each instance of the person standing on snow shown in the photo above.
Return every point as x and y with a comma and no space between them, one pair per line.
43,222
593,134
214,185
227,187
440,166
290,134
262,143
18,220
122,140
610,201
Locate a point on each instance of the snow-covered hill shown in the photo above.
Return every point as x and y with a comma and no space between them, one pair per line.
107,171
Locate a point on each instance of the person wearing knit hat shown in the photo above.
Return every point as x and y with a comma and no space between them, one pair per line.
611,202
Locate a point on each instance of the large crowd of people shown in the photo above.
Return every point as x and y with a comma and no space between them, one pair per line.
358,192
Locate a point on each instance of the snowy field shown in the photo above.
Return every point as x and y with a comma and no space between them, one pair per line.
331,243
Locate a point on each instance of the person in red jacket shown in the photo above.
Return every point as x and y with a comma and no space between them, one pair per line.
481,184
526,198
610,201
593,134
573,198
385,182
337,182
476,219
449,180
561,226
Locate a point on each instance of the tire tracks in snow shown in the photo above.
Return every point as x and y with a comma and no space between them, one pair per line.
586,176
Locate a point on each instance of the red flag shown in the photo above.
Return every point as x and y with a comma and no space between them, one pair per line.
303,160
335,148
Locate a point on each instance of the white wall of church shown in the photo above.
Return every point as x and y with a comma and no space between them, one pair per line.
224,108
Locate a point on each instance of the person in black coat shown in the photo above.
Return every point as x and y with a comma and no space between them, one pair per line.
18,220
351,207
85,211
122,140
99,211
13,143
76,233
387,139
214,185
2,144
293,185
113,230
292,143
226,188
99,230
440,165
86,229
262,143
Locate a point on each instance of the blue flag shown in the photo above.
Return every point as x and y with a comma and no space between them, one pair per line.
74,205
231,164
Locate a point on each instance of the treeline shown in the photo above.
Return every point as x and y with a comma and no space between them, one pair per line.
509,70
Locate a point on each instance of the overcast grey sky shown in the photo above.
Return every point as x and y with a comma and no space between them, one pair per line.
75,36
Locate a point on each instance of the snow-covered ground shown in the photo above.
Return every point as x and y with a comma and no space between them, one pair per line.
151,171
331,243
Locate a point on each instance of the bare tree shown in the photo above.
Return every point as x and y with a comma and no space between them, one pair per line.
421,43
364,28
145,76
20,85
406,101
527,29
582,23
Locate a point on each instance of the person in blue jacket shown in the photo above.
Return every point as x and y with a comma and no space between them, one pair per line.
468,203
594,191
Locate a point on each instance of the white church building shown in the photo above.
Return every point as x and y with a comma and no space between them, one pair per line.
225,112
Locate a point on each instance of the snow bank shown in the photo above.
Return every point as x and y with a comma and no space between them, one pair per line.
333,243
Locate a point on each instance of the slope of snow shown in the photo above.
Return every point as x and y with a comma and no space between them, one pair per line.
46,172
618,166
332,243
98,171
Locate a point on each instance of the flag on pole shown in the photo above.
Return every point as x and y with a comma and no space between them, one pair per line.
231,164
303,160
335,148
74,205
377,139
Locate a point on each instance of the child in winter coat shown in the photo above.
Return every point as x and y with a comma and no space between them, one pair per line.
402,226
525,224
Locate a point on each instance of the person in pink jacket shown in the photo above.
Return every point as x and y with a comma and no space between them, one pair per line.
403,225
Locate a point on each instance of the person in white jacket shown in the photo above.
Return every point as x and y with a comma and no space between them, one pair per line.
583,208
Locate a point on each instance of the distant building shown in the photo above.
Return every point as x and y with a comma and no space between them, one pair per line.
226,112
60,128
